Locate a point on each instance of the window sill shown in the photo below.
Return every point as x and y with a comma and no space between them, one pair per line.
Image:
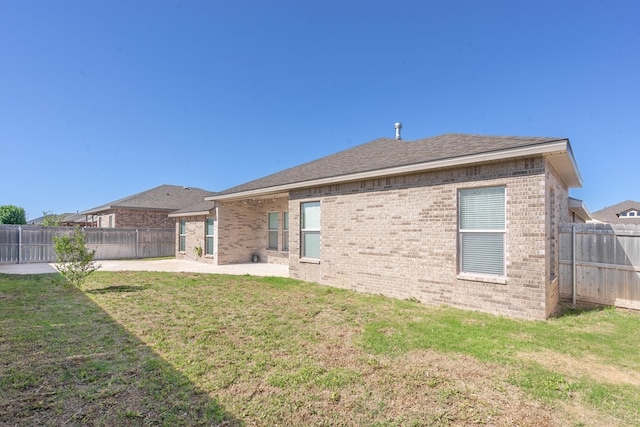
498,280
309,261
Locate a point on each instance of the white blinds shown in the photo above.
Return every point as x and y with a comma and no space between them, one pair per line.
482,209
482,227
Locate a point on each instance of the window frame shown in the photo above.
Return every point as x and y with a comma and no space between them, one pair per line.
209,246
182,235
273,234
285,231
307,231
463,232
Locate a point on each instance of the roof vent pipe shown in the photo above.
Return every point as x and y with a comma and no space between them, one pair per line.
398,126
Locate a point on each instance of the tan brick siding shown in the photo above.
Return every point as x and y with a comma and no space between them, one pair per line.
398,237
195,238
557,213
125,218
243,231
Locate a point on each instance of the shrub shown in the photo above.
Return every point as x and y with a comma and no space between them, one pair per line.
75,261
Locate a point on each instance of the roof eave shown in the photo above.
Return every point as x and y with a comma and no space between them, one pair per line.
136,208
580,209
195,213
558,152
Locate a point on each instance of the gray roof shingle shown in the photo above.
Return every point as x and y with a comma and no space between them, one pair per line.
386,153
163,197
195,209
611,214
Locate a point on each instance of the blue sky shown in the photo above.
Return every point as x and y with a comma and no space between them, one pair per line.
101,100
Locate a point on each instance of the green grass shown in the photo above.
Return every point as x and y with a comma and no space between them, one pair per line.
191,349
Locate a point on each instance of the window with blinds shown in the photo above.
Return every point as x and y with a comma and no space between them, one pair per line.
209,236
310,230
482,230
285,231
183,235
273,230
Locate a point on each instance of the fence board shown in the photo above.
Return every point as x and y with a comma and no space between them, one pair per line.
607,263
27,244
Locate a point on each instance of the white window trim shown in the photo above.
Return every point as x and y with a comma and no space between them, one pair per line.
207,236
482,277
285,231
273,230
303,231
181,236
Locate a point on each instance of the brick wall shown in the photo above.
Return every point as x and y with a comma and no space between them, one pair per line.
243,230
398,237
557,199
124,218
196,238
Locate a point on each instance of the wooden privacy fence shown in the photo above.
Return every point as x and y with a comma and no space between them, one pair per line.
27,243
604,262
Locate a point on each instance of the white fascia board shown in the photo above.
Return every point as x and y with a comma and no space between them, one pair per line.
556,147
176,215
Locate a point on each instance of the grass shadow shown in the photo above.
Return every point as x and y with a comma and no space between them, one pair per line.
566,309
67,362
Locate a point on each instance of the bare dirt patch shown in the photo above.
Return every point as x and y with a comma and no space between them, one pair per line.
588,366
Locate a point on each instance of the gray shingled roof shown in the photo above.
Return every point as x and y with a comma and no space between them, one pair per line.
387,153
163,197
195,209
610,214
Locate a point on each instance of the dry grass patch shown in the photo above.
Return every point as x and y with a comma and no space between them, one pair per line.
588,366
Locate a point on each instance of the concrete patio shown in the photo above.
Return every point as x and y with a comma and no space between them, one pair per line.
169,264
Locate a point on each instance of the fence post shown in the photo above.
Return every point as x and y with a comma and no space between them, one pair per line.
137,242
19,244
573,265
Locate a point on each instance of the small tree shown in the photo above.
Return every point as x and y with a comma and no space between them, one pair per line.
75,261
49,219
10,214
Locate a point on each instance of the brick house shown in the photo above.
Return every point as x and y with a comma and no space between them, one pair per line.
468,221
146,209
195,238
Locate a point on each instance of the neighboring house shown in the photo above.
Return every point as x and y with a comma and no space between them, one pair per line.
578,211
469,221
146,209
64,220
627,212
195,227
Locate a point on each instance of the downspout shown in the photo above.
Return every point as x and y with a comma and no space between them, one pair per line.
573,265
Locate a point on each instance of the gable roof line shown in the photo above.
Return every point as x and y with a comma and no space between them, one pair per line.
152,199
553,147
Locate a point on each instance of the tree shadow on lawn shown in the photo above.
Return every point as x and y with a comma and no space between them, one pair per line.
117,289
65,361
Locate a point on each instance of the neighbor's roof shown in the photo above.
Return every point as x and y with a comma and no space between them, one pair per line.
164,197
200,208
611,214
386,156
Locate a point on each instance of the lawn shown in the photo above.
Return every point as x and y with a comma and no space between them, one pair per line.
194,349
